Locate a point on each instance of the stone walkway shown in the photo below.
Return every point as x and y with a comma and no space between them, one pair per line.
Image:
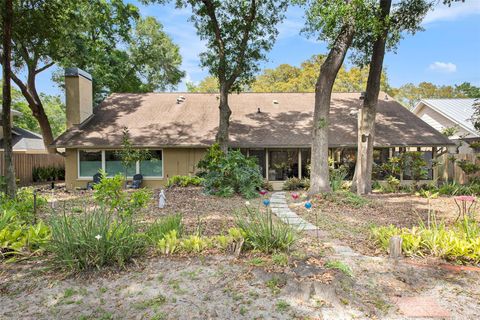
280,208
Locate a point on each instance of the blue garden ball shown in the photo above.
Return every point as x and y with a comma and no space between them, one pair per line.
308,205
266,202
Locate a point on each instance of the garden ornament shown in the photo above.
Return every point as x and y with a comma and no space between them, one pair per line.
463,208
263,192
162,199
295,196
308,205
266,202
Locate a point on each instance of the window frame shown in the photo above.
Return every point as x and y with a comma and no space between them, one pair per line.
137,165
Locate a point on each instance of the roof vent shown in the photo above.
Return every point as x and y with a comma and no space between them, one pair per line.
362,95
275,101
258,110
180,99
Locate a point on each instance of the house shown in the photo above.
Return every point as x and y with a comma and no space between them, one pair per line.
451,114
29,151
178,127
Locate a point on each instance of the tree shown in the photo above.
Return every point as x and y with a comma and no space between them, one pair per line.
129,155
237,35
9,170
335,22
362,179
287,78
208,85
97,36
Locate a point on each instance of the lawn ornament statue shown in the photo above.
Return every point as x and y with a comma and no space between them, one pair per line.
162,199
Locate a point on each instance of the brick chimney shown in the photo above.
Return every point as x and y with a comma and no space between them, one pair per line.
79,96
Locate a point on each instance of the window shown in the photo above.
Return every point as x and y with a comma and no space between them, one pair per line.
89,162
153,167
283,164
113,165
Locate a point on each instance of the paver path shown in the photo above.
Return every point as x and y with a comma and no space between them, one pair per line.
280,208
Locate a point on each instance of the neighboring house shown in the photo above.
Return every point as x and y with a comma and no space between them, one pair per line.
444,114
178,127
29,151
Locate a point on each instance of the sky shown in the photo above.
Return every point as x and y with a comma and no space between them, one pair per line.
447,52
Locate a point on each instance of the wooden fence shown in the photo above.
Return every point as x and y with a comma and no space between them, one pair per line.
448,170
24,164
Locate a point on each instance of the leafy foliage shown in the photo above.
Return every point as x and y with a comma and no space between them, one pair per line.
163,226
287,78
230,173
347,198
296,184
110,194
460,242
41,174
184,181
337,177
94,240
22,205
264,233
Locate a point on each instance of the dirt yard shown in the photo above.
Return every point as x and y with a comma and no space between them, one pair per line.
314,282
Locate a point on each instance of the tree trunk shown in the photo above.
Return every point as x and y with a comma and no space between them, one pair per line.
9,169
29,91
319,176
366,125
224,123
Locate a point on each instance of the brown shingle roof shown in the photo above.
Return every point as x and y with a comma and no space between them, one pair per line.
156,120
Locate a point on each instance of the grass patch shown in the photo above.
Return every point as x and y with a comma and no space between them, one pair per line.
341,266
151,303
262,232
275,284
282,306
347,198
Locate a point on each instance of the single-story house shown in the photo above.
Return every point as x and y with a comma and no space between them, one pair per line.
29,151
443,114
178,127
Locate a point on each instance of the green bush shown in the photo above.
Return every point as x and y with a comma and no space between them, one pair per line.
262,232
19,239
42,174
292,184
22,205
459,243
184,181
94,240
337,177
227,174
110,194
157,230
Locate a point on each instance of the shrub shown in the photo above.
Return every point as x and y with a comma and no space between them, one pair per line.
227,174
110,194
94,240
460,242
22,205
17,239
163,226
184,181
42,174
337,176
169,243
296,184
195,243
263,233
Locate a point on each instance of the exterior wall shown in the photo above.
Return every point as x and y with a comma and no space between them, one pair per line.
439,122
176,161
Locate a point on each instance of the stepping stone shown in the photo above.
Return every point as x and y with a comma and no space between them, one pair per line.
421,307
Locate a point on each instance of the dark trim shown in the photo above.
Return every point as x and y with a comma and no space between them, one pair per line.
75,72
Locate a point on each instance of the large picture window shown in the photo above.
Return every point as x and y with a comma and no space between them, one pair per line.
89,162
152,167
113,165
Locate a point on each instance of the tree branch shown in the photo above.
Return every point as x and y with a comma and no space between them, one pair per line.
45,67
243,43
218,35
